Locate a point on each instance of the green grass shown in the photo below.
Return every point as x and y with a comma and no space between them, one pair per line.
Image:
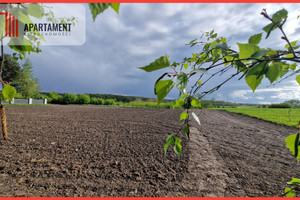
276,115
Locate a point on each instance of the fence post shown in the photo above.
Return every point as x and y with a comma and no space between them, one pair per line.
45,101
30,101
12,101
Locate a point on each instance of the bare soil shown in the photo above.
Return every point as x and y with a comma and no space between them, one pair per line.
105,151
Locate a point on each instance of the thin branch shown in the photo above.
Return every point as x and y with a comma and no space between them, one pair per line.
220,85
265,14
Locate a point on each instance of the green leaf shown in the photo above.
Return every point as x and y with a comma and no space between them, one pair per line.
271,27
289,192
186,129
19,14
183,96
23,49
179,103
260,53
280,15
290,55
214,35
184,115
191,42
8,92
272,53
97,8
294,181
162,89
253,81
196,118
283,70
196,103
258,69
273,72
185,65
222,46
298,79
293,66
175,64
35,10
2,25
160,63
170,140
177,146
161,77
116,7
182,81
200,71
293,43
292,142
247,50
255,39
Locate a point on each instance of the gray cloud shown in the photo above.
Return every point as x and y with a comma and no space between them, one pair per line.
117,44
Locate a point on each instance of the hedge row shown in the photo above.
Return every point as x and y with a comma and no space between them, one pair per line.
280,105
70,98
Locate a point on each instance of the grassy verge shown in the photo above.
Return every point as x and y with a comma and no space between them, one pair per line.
289,117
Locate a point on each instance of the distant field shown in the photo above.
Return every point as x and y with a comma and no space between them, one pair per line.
278,115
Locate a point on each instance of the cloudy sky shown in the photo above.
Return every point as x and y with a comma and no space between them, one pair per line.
116,45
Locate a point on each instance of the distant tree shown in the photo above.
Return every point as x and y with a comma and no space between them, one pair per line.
207,104
70,98
83,99
280,105
53,97
11,68
93,100
25,82
100,101
110,102
295,103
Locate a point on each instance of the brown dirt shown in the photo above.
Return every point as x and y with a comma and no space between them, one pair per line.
106,151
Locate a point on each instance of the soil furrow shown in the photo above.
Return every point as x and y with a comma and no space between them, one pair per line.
108,151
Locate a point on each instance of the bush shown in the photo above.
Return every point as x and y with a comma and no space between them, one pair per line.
94,100
100,101
70,98
97,101
280,105
53,97
110,102
60,100
83,99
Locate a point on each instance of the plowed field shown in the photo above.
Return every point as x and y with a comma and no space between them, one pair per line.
106,151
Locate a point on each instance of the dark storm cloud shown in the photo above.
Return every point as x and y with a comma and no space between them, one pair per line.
116,45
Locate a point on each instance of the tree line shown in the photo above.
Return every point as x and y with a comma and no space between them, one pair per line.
20,76
69,98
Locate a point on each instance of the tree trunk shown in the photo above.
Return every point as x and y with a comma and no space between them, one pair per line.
3,121
2,109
